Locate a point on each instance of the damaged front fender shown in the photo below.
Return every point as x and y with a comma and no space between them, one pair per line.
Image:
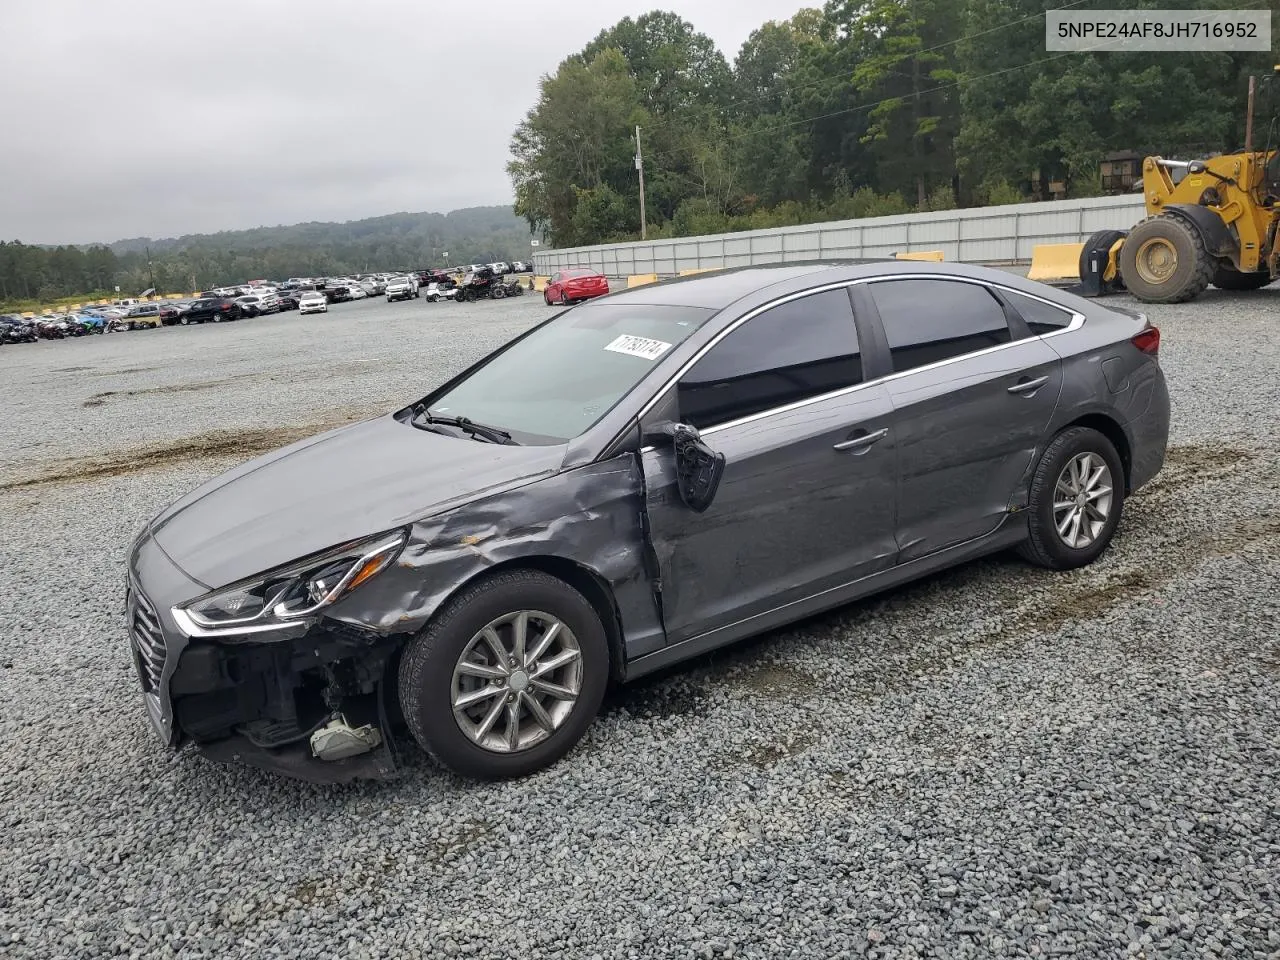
590,516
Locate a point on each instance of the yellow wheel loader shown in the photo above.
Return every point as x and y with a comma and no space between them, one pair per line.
1208,222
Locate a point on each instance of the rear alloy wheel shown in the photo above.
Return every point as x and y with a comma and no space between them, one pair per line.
1077,495
1164,260
564,299
507,678
184,320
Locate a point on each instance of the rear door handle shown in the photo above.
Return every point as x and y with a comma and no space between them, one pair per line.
862,441
1028,386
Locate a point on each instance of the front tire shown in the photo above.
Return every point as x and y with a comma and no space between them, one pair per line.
506,680
1164,260
1077,496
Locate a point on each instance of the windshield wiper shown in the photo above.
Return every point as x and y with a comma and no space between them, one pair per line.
423,418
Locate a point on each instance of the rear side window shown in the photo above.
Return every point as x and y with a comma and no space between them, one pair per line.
927,321
1041,317
794,351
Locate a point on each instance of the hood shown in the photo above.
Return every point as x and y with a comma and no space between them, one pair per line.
349,483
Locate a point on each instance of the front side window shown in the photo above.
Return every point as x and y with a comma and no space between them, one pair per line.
927,321
559,380
800,349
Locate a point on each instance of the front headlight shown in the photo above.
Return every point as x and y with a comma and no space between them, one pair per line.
289,594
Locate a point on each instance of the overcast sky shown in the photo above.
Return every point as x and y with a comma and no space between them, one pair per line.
125,118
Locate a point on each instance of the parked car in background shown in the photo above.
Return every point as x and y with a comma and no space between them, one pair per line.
402,288
17,329
288,299
172,311
338,294
90,322
441,290
144,315
574,286
357,292
55,327
313,301
373,286
258,304
521,266
211,310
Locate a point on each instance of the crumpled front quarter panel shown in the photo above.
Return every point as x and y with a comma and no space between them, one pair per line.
589,515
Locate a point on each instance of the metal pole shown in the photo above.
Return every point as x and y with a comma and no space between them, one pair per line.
1248,120
640,169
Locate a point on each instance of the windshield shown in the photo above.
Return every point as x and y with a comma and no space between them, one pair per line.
560,379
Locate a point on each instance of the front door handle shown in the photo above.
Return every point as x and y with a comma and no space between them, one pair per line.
1026,387
862,441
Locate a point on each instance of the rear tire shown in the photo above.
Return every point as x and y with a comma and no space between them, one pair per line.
1057,495
1227,277
427,682
1164,260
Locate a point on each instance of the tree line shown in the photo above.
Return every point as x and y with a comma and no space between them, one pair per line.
860,108
31,273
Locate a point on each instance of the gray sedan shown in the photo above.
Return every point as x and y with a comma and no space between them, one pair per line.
631,483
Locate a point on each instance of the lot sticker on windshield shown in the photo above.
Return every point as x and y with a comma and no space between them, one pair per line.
641,347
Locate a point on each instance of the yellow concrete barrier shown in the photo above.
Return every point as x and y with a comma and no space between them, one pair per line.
934,256
691,272
640,279
1055,261
540,283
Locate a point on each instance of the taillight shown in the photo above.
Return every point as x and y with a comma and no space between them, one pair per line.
1148,341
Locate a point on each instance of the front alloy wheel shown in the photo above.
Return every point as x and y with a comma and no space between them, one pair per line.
517,681
507,677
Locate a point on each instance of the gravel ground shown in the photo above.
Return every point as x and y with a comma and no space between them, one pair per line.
998,761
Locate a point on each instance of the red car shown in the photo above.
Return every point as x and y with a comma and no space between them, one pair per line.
571,286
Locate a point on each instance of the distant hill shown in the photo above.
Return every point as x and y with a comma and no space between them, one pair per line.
461,228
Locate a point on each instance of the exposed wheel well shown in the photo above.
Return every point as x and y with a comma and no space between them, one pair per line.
1112,430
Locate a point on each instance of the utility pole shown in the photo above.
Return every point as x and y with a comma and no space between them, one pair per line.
640,169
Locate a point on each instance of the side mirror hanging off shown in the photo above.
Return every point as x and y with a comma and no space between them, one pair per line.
698,467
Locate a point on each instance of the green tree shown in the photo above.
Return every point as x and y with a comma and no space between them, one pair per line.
907,73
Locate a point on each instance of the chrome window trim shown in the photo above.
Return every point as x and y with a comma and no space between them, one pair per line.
1077,321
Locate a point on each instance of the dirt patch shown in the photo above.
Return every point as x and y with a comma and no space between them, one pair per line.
99,398
766,755
125,372
776,680
217,444
1195,463
70,369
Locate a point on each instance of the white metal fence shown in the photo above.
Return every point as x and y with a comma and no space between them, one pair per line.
993,235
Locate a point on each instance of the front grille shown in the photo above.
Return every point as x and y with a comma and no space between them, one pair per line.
147,639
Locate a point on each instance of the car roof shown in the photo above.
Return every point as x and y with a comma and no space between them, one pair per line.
720,288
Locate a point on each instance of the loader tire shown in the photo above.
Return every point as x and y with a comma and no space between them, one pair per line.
1164,260
1101,241
1227,277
